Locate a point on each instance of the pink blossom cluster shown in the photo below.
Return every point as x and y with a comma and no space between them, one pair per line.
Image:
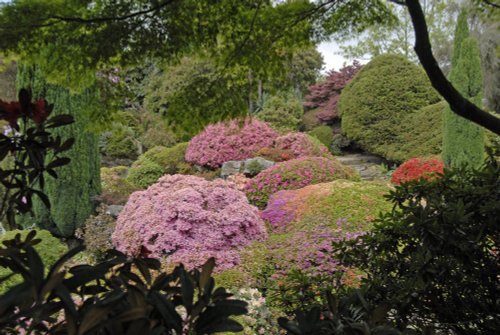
222,142
294,174
278,211
188,219
301,145
311,251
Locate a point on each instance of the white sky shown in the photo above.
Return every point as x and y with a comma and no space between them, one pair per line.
334,61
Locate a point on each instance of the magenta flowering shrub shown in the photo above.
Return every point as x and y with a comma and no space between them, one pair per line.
301,145
188,219
294,174
310,250
222,142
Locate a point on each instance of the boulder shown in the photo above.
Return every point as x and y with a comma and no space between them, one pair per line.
253,166
230,168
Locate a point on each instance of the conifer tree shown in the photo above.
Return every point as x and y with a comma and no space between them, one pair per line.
71,194
463,141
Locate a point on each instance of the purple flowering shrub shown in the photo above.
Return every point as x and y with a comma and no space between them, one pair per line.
188,219
301,145
222,142
294,174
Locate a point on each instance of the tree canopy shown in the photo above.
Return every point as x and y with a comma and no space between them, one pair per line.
253,33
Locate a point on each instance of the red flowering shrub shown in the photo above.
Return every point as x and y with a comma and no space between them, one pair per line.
188,219
294,174
416,168
301,145
12,111
222,142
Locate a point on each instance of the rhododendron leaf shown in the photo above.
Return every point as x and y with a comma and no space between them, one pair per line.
143,270
206,272
92,318
167,311
61,161
228,325
59,120
24,99
187,289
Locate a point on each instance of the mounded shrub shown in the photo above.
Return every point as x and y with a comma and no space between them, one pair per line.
275,155
115,187
302,145
422,133
144,173
283,113
416,168
49,249
374,105
310,120
233,140
295,174
324,134
170,159
120,144
188,219
96,233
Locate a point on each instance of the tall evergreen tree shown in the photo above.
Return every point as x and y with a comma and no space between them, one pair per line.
71,194
463,141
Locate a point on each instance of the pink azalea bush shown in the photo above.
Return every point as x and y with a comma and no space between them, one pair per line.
301,145
222,142
294,174
188,219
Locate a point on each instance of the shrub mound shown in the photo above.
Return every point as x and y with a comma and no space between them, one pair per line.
294,174
188,219
144,173
233,140
282,112
171,159
377,100
49,249
324,134
301,145
416,168
115,188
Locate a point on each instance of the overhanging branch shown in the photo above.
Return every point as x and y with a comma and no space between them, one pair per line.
457,102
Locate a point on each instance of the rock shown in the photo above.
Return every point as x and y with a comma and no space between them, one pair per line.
114,210
253,166
230,168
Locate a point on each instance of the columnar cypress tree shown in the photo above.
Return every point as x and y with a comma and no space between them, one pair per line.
463,141
71,194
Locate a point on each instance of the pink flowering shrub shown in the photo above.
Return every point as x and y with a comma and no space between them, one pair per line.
222,142
301,145
188,219
294,174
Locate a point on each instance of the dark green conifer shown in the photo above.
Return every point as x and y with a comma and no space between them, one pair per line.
463,141
71,194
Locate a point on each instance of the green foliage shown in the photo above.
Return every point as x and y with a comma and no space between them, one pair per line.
463,140
184,92
120,144
422,133
324,134
117,295
375,103
96,234
115,187
309,120
144,173
49,249
170,159
435,255
282,112
72,193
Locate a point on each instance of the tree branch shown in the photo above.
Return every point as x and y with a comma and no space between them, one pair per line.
490,3
458,104
112,18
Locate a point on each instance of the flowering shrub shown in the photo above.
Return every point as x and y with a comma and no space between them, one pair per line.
223,142
416,168
239,180
302,145
188,219
259,319
358,202
294,174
